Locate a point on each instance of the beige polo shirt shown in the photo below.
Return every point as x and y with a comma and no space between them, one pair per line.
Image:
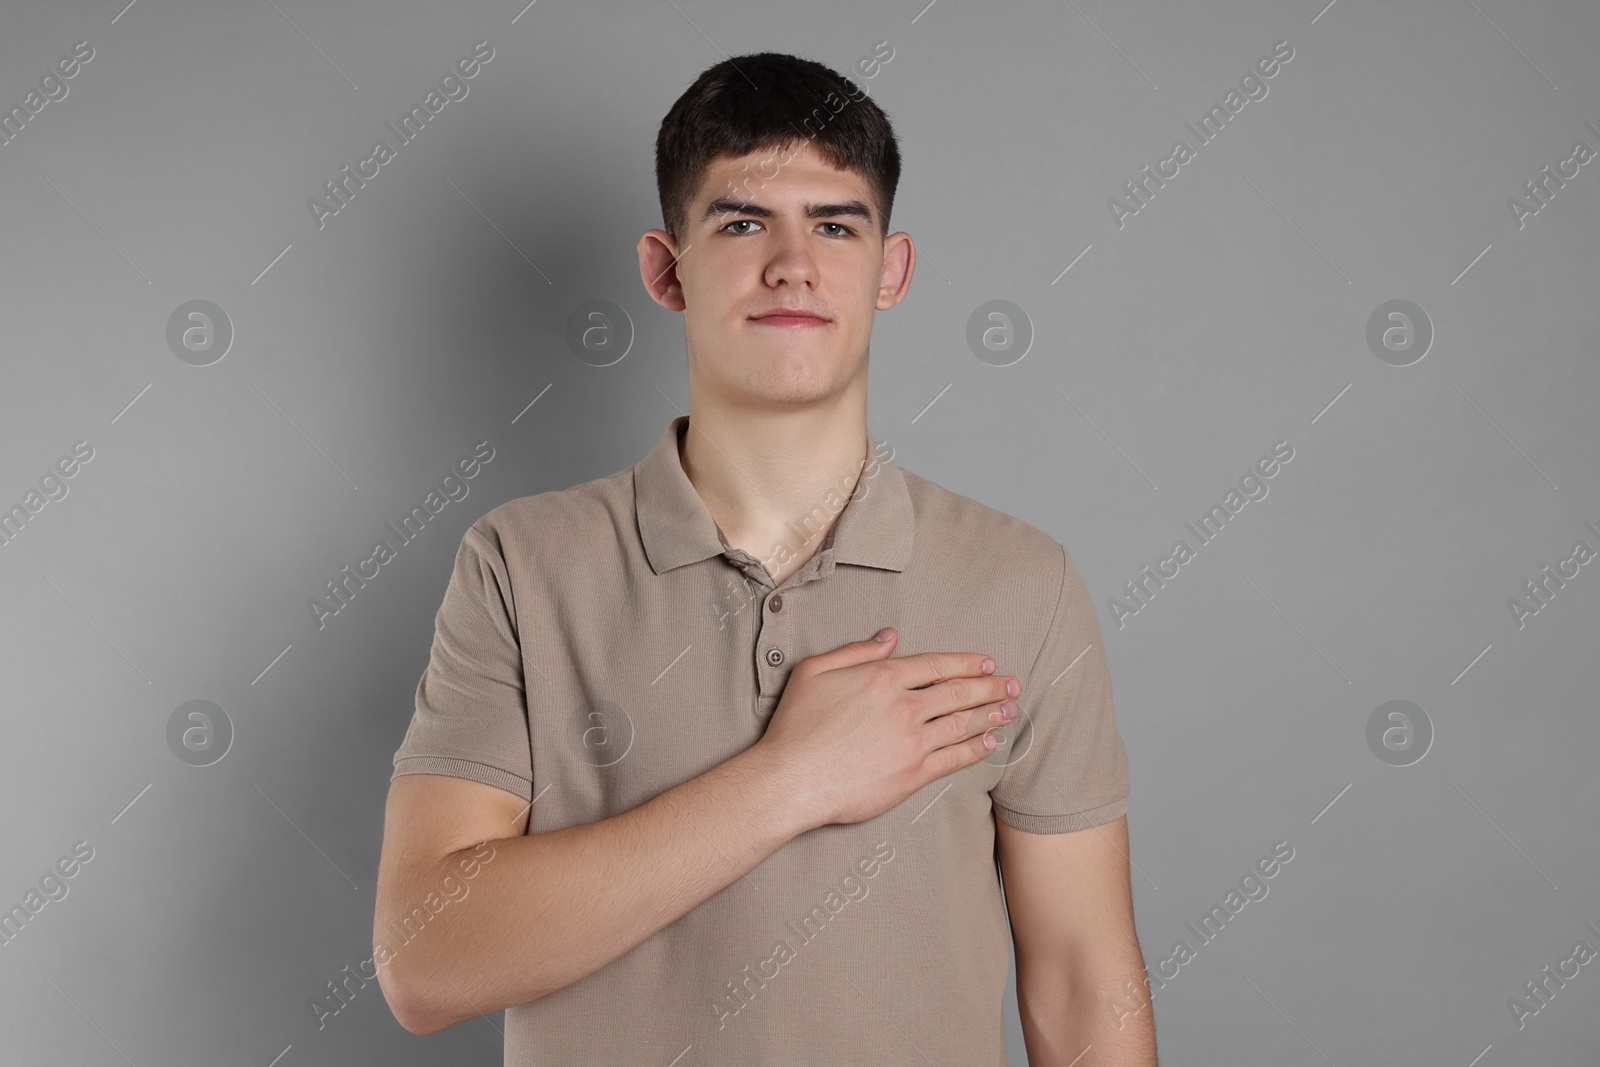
601,644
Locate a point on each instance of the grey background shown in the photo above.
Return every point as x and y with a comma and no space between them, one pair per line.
1229,314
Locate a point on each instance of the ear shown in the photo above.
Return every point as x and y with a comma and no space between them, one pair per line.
658,268
899,262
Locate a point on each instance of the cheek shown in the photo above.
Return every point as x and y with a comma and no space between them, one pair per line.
708,298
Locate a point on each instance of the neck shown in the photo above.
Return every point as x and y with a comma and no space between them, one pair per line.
775,484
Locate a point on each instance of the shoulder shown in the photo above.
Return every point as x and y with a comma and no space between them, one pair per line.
559,524
983,554
951,527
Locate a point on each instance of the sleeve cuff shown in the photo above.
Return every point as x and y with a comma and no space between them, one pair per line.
460,768
1060,824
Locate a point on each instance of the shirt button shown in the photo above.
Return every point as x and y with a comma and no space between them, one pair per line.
774,656
775,602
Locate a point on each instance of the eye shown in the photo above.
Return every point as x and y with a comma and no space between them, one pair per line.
740,222
847,230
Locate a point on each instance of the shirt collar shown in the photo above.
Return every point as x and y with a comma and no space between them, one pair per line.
874,529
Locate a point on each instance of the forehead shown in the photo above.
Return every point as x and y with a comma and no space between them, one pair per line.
783,175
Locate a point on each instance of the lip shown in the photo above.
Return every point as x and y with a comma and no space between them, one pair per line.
790,319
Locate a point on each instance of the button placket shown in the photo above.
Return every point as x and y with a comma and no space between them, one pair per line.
773,634
770,650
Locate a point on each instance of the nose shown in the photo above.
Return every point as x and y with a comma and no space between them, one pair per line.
792,260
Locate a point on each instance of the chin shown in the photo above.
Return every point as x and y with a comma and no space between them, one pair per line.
770,390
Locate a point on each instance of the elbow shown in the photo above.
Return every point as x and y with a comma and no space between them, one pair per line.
420,1022
426,1002
413,1006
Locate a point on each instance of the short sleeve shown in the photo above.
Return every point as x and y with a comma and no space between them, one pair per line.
471,718
1067,768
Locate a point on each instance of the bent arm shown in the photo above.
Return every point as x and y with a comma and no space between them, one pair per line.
546,909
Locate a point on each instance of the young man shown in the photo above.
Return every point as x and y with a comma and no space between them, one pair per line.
685,808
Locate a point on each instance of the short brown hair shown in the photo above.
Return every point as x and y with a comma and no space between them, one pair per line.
764,101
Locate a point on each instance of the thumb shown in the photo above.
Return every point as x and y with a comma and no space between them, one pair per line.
878,646
860,651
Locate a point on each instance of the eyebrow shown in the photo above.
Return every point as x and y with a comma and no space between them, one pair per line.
732,205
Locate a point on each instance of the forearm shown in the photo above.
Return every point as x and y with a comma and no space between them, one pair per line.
551,908
1110,1013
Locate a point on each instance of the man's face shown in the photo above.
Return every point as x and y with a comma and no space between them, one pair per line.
771,231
